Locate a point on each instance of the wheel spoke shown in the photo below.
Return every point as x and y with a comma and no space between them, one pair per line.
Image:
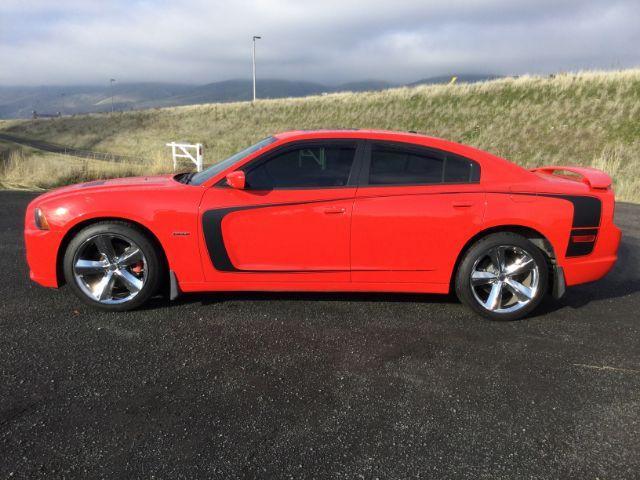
103,290
130,281
497,258
482,277
130,256
105,247
494,300
90,267
521,291
522,265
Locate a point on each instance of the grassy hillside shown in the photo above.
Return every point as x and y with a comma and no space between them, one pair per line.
589,118
24,168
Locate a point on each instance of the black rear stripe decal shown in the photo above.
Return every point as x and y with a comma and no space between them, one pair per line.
587,212
577,244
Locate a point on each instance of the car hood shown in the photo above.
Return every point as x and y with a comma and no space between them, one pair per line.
111,184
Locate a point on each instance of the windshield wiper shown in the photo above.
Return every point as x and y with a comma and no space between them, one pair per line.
185,177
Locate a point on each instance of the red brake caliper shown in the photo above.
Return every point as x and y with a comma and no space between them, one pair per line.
137,268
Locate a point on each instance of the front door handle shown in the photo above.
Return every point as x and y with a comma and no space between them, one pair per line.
335,211
462,204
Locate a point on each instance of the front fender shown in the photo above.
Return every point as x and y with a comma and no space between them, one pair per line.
169,215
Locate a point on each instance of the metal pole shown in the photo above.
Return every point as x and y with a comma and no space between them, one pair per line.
253,62
111,80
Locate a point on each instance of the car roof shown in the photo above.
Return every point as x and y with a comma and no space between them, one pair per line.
384,135
349,133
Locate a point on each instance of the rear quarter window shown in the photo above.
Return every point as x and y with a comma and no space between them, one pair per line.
460,170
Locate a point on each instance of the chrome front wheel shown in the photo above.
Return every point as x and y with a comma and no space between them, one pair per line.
110,268
113,265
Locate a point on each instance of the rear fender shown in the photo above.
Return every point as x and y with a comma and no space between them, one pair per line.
550,217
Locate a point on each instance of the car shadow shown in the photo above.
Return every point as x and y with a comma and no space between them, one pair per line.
214,298
621,281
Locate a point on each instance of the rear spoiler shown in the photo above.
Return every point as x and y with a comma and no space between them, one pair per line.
591,176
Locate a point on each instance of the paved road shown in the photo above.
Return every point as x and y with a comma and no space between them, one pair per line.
318,386
55,148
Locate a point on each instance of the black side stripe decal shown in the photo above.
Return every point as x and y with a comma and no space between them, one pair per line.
212,228
586,214
214,239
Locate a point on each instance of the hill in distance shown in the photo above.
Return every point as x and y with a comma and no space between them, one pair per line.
588,118
20,102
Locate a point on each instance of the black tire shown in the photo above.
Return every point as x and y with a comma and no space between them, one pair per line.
514,245
121,232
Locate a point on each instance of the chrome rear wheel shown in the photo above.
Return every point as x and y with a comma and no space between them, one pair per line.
110,268
505,279
503,276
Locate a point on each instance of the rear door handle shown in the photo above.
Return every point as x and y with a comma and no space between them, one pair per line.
335,211
462,204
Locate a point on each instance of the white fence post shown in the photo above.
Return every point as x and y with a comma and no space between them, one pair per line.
199,157
173,155
181,150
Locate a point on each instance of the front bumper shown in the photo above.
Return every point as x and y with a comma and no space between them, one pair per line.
42,251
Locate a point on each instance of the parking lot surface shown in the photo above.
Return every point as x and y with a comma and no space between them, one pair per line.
318,385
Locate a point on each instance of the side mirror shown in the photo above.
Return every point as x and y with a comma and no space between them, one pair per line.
236,179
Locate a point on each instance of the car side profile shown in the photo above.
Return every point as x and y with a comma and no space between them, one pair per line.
332,210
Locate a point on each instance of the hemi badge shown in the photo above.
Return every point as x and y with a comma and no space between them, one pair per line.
181,234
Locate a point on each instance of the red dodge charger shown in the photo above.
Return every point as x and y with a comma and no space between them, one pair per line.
332,210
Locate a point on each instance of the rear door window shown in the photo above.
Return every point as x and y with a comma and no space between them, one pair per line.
393,164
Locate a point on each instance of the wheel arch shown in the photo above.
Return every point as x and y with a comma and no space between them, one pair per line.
533,235
68,236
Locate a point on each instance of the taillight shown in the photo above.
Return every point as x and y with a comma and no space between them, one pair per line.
41,220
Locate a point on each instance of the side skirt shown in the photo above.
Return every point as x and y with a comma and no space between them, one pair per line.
440,288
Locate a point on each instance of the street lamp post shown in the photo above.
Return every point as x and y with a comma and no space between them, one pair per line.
253,61
111,80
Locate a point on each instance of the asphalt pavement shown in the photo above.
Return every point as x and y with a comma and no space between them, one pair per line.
296,385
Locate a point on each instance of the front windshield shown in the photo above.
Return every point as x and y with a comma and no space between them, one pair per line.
203,176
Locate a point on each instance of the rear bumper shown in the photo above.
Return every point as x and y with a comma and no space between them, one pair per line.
42,249
597,264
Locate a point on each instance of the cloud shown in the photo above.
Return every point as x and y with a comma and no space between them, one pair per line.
199,41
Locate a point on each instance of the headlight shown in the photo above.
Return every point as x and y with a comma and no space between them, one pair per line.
41,220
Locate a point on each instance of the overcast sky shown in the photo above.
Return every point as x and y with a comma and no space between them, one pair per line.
331,41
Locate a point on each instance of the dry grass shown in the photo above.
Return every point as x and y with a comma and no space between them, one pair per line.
590,118
27,169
